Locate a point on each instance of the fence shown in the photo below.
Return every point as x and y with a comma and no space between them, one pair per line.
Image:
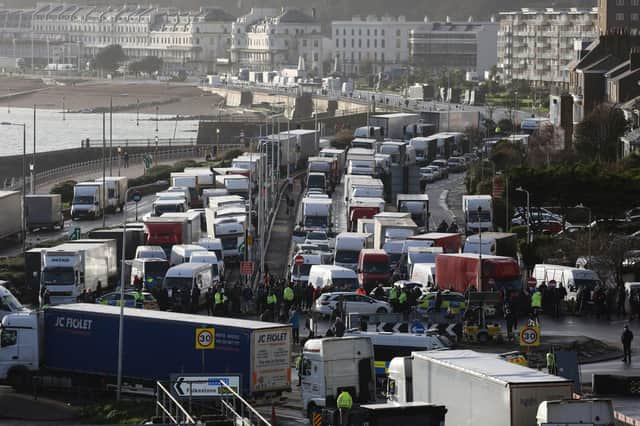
169,409
149,142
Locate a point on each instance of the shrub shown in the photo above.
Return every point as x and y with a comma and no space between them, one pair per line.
65,189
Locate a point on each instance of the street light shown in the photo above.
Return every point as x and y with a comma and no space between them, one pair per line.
136,198
528,212
24,178
582,206
480,254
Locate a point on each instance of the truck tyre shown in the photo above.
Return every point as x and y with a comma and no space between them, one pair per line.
20,380
381,311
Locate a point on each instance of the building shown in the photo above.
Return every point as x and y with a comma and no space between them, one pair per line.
267,39
370,45
471,46
618,14
190,39
538,45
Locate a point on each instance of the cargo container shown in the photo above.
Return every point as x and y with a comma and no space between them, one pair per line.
10,214
477,388
495,243
461,271
394,124
111,252
44,211
450,242
134,237
79,342
363,208
193,221
166,231
116,190
392,228
417,205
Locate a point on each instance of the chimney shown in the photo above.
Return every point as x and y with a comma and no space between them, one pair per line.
634,58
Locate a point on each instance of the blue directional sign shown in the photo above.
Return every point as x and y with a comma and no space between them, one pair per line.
417,328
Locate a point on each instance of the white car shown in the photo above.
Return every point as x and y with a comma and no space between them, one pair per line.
426,174
435,170
353,303
319,239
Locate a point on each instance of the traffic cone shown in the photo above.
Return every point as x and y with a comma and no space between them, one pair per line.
274,418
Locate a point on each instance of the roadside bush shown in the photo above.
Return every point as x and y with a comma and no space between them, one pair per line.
520,231
65,189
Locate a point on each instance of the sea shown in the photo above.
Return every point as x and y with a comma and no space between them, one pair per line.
55,130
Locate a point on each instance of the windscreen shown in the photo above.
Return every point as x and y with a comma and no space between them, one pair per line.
229,243
83,199
315,221
168,208
347,256
177,282
378,268
316,181
9,301
344,284
58,276
155,270
302,270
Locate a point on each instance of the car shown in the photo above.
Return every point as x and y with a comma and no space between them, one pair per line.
442,165
426,174
435,170
319,239
113,299
411,285
536,217
354,303
547,226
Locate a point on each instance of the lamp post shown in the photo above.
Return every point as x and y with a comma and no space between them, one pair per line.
521,189
582,206
24,179
136,198
137,111
480,255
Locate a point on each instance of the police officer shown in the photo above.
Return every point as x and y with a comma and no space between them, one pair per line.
344,404
551,362
393,297
272,303
288,296
536,305
219,302
627,337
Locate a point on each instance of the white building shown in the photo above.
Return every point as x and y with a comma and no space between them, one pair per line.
471,46
378,43
268,39
538,45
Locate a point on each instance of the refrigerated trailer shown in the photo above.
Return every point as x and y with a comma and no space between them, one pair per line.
10,214
44,211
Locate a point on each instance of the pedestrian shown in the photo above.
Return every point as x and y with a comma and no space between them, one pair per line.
551,362
299,369
286,203
364,323
509,317
289,185
344,403
393,298
209,300
378,293
218,301
536,305
287,296
294,320
339,327
247,296
272,304
137,283
627,338
126,158
402,303
443,227
308,296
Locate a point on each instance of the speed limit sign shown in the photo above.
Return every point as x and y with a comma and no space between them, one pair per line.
205,338
530,336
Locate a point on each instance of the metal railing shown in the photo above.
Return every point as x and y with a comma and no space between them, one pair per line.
232,405
151,142
169,409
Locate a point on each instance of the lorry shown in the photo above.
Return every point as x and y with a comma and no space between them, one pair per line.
134,238
234,184
331,365
188,181
340,155
316,214
477,388
478,213
166,231
326,165
392,228
347,249
116,190
592,411
425,148
10,214
363,208
89,200
460,271
417,205
76,344
193,221
231,232
496,243
43,211
393,125
451,242
68,270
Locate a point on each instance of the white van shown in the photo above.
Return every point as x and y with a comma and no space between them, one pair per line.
424,273
183,278
180,253
209,258
347,249
214,245
333,278
570,278
301,265
417,255
148,252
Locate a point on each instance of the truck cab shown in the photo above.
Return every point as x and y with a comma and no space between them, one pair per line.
331,365
478,213
8,303
19,351
417,205
87,200
316,214
347,249
373,268
317,180
182,279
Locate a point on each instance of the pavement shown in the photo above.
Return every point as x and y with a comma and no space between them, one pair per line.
19,409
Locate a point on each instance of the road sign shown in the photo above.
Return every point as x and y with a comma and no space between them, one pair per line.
136,197
203,386
529,336
75,234
417,328
531,282
205,338
246,268
298,260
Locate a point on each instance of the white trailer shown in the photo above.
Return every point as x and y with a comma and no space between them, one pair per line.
478,213
477,388
392,228
116,189
10,214
394,124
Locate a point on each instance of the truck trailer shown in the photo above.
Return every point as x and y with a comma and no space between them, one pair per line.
495,243
451,242
394,124
10,214
80,342
461,271
477,388
44,211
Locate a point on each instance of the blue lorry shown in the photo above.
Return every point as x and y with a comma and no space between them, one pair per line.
80,341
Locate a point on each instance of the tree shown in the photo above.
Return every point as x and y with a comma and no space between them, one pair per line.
505,125
612,254
109,58
147,65
505,155
597,136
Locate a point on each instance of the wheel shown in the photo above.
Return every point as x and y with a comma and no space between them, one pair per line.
381,311
20,380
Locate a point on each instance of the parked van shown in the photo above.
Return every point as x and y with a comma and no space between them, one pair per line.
209,258
571,278
373,268
347,249
424,273
144,252
180,253
151,270
183,278
333,278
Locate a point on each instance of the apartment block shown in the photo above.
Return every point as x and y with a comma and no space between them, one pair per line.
618,15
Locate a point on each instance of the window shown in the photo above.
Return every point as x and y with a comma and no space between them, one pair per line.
344,42
8,337
304,43
315,43
382,43
337,31
353,43
360,31
315,57
344,32
368,33
353,32
619,16
398,44
398,33
367,43
635,2
619,2
375,43
337,42
359,42
634,16
375,32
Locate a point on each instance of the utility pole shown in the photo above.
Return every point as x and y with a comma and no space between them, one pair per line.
111,136
104,168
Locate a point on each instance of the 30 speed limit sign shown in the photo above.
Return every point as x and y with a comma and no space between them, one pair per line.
205,338
530,336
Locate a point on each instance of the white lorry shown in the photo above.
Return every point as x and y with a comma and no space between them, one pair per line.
477,388
331,365
88,200
10,214
116,188
478,213
417,205
70,269
394,124
316,214
387,228
230,231
347,249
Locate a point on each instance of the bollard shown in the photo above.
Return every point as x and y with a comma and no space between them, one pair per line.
274,418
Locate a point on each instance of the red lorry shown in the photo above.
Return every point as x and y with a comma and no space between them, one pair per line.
166,231
361,211
460,271
450,242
